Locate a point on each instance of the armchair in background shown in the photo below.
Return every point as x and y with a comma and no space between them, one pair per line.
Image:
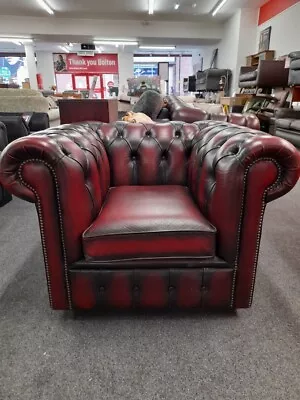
268,75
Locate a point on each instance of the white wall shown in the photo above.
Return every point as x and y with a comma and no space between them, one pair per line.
125,69
205,52
229,45
239,39
45,68
285,31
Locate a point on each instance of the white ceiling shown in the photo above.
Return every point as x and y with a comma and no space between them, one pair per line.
126,9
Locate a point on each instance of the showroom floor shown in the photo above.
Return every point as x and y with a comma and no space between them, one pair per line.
49,355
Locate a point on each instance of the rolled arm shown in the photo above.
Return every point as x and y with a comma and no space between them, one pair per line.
234,172
66,173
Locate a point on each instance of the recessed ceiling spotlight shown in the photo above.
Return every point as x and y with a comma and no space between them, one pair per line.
194,5
176,6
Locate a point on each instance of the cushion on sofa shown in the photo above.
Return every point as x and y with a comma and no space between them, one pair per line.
295,64
284,123
295,125
149,222
248,76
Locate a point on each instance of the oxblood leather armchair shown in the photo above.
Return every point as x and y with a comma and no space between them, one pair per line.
164,215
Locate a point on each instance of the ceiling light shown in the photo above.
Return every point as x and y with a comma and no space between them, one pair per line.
218,7
177,5
45,6
157,47
64,49
194,5
15,40
116,42
151,7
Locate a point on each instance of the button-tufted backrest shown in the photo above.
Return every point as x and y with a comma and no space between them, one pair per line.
148,154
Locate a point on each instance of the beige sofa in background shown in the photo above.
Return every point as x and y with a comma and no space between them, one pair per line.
19,92
27,100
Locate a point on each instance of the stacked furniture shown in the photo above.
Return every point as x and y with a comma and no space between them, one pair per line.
294,75
150,216
209,80
267,75
5,196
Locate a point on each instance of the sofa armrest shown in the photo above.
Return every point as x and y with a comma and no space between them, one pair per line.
234,172
246,69
287,113
60,171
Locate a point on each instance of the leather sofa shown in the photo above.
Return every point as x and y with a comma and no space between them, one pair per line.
179,110
5,197
269,74
294,74
150,216
286,124
35,121
16,126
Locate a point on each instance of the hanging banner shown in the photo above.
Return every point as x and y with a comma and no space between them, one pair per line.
97,64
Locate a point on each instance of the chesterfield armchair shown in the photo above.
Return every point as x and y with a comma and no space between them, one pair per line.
150,216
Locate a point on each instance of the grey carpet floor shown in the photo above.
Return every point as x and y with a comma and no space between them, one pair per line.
254,354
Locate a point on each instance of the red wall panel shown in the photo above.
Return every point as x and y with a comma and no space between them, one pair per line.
273,8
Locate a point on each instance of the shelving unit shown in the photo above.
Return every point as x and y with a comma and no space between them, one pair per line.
254,59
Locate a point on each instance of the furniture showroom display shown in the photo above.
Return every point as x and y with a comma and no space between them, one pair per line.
294,75
150,216
179,110
78,110
210,80
267,75
286,124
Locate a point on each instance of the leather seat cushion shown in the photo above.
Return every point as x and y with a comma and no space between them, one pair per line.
142,222
249,76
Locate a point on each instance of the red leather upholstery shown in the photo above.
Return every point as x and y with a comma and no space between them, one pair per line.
231,173
148,154
180,111
149,222
249,120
